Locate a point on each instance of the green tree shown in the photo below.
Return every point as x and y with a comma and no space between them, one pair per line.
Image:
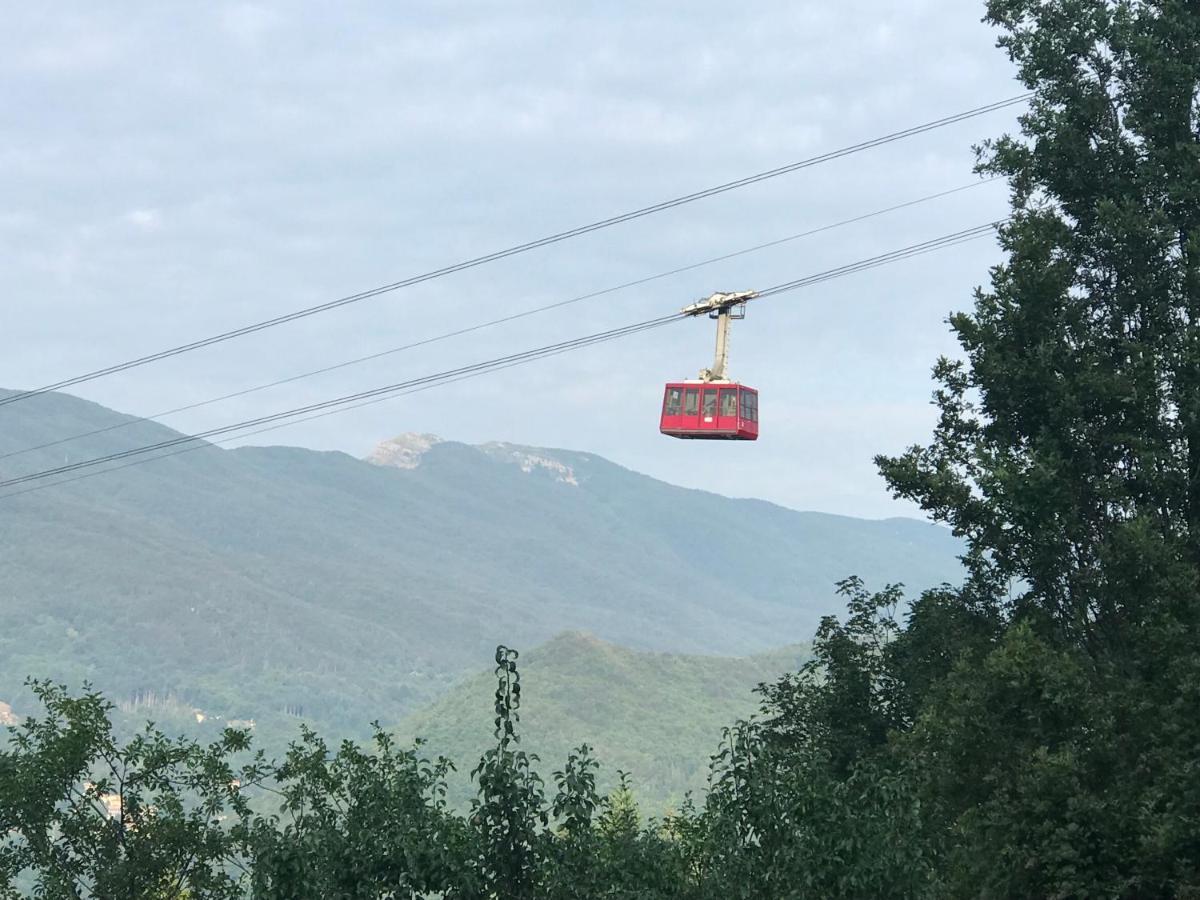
510,812
361,824
1041,717
83,815
1057,740
1068,449
846,698
635,858
784,822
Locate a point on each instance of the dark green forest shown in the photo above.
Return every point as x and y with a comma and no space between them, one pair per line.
1030,732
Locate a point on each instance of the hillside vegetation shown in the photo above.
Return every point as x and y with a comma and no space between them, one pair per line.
656,716
281,584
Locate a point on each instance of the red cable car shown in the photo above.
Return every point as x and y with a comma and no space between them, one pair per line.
712,411
713,408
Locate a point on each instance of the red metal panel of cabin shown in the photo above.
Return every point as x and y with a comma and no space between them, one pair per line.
716,411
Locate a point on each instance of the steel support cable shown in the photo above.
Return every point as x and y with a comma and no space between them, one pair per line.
480,367
519,248
364,398
499,321
939,243
201,445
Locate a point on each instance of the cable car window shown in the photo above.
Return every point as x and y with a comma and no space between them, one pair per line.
710,401
691,402
728,402
752,406
674,402
744,400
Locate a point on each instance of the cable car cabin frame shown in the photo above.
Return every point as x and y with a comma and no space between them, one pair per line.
708,410
713,408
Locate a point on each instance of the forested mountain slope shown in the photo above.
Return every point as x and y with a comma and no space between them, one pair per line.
657,716
281,581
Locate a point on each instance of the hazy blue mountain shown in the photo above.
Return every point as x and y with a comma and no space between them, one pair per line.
264,582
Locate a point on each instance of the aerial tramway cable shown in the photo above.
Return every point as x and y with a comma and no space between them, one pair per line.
362,398
481,368
201,445
517,249
498,321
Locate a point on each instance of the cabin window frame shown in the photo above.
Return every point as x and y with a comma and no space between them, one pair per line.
752,405
730,410
673,402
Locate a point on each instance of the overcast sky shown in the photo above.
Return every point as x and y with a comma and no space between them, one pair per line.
170,170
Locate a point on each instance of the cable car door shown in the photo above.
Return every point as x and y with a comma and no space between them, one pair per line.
708,409
727,410
691,408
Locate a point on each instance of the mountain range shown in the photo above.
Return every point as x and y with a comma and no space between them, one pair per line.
278,583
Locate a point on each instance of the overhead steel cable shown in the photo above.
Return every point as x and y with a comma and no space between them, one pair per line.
481,367
363,398
499,321
949,240
201,445
519,248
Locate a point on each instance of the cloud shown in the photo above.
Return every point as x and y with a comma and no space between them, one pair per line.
285,154
144,219
249,23
76,50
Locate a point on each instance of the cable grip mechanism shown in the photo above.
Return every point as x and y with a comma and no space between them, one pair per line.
724,306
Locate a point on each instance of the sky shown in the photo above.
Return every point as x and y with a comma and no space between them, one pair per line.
173,170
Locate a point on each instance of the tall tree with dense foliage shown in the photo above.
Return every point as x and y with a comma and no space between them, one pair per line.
1043,715
1062,758
1068,449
